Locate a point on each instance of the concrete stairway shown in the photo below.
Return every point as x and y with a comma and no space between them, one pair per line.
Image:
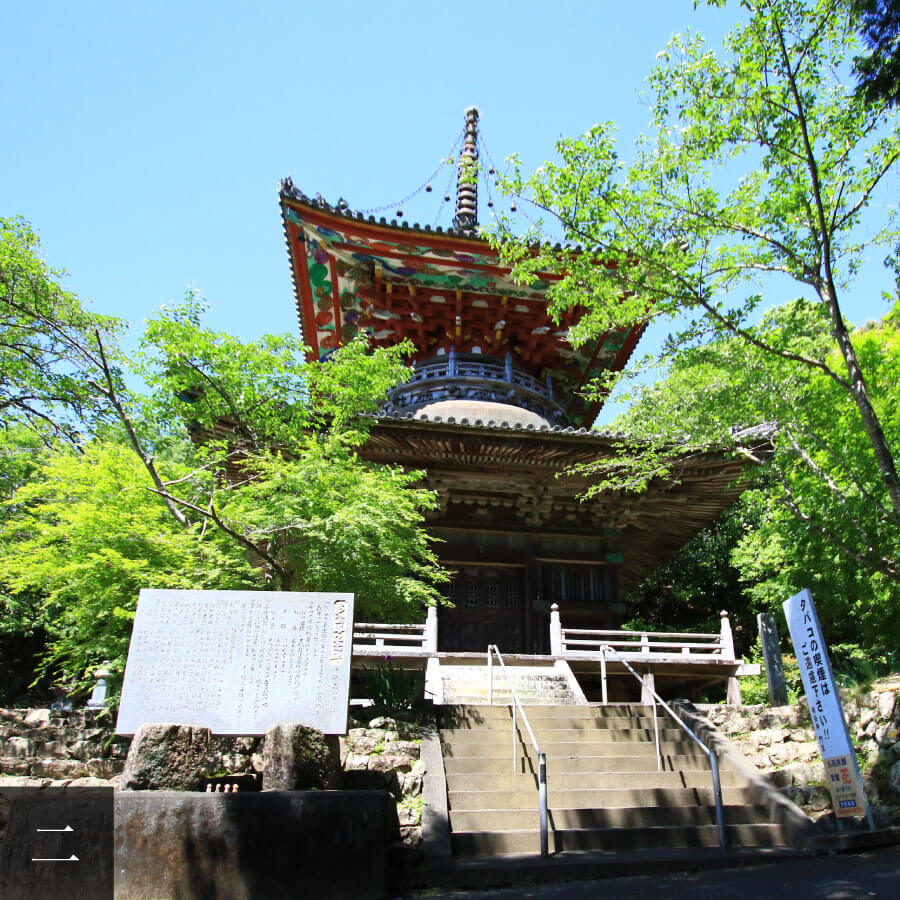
604,790
535,685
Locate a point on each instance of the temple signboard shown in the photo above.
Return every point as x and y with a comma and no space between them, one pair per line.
237,662
838,756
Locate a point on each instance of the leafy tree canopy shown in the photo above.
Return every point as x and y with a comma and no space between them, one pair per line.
878,69
817,517
47,341
760,164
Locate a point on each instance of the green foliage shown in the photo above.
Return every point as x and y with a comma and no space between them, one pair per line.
819,516
878,69
271,494
85,537
760,163
47,341
297,495
391,688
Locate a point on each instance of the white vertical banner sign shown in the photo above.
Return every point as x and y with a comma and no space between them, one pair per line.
838,755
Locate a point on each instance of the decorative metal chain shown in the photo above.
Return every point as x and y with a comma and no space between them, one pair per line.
448,159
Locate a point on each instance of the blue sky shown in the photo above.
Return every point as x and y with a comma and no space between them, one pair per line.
146,142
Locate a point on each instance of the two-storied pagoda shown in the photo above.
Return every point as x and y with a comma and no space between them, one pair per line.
494,415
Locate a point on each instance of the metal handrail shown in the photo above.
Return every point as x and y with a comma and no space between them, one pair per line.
542,758
709,751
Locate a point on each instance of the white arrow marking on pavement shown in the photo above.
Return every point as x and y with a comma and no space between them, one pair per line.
72,858
67,828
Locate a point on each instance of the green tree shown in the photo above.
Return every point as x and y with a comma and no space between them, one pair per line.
761,163
878,69
48,341
814,519
84,536
285,433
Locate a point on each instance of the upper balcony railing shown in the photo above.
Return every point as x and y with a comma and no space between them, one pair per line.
472,376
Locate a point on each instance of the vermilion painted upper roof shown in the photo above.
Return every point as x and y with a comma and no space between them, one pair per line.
440,289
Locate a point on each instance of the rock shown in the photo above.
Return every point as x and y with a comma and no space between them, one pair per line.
779,778
406,748
760,760
88,781
408,815
871,728
383,722
12,765
763,738
20,746
865,717
103,768
894,777
363,743
798,735
819,798
57,768
795,794
167,757
389,763
886,704
298,757
887,735
412,780
356,761
59,748
37,718
780,754
800,774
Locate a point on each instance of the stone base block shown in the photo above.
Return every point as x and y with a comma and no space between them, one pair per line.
276,844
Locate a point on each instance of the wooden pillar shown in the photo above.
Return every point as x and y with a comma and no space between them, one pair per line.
727,637
556,647
431,630
733,694
648,686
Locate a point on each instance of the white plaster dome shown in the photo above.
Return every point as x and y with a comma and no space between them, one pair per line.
485,410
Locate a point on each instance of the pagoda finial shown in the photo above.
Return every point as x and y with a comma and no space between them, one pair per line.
466,218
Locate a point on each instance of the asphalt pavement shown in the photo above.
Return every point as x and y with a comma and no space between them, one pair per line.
843,876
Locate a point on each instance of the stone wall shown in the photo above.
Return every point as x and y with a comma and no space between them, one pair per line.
46,747
781,743
385,753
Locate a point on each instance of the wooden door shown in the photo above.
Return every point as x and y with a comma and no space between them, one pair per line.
488,609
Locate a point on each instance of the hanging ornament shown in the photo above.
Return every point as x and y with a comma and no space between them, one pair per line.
446,198
399,213
491,171
428,188
512,207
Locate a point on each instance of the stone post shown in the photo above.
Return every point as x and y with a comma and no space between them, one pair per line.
727,637
556,647
771,648
101,690
431,630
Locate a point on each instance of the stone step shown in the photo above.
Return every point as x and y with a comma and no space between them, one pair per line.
600,798
587,781
484,712
552,723
483,843
617,817
670,736
502,763
494,748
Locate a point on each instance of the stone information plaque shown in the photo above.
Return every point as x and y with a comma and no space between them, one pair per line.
237,662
